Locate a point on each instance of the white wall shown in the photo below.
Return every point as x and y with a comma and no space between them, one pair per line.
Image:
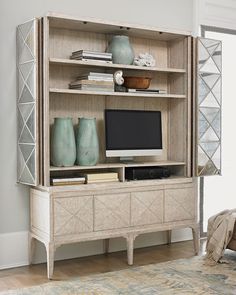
217,13
14,199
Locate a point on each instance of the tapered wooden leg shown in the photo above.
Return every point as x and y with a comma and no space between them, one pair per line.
106,246
50,259
31,248
196,237
130,249
168,234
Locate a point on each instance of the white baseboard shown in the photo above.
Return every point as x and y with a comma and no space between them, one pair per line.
14,247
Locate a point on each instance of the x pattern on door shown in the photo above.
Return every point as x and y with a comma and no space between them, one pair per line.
27,101
209,106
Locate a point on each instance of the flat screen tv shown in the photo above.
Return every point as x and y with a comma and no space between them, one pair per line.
133,133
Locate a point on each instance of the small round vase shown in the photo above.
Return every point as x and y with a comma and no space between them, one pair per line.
63,148
87,142
121,49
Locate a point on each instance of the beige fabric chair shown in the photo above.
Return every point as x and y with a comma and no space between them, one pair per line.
232,243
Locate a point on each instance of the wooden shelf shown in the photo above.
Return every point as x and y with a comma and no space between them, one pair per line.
89,24
118,185
106,93
71,62
118,165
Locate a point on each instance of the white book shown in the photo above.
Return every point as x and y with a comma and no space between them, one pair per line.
92,82
93,78
94,60
90,52
97,57
72,179
91,88
100,74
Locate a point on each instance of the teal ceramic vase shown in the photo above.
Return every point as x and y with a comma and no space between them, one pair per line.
87,142
121,49
63,148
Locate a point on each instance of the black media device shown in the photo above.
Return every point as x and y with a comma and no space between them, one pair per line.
139,173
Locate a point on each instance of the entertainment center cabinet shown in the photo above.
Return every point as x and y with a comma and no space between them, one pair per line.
74,213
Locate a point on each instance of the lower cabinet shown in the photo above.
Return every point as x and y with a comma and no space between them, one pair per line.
111,211
73,215
61,216
179,204
147,207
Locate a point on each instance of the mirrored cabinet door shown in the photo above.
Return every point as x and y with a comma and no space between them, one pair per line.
208,107
27,102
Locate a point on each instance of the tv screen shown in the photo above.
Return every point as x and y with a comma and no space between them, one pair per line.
133,132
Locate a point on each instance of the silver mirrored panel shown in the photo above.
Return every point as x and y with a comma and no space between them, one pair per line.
210,148
26,136
31,164
26,176
203,55
26,110
216,90
27,40
203,90
209,136
217,158
210,79
209,107
210,66
210,113
216,124
209,43
203,125
25,68
31,123
25,29
26,95
210,101
217,56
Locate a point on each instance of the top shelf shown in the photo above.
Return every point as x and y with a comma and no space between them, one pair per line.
59,21
72,62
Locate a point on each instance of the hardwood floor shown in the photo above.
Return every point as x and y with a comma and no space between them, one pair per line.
67,269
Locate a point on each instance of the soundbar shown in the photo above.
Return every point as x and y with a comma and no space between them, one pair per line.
141,173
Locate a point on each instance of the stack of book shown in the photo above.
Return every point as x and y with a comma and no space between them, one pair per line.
147,91
101,177
94,81
68,181
95,56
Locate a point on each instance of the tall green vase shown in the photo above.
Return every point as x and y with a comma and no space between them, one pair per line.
87,142
63,148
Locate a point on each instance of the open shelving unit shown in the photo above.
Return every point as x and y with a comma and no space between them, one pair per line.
120,168
171,73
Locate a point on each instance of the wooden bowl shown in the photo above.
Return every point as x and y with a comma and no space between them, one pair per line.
137,82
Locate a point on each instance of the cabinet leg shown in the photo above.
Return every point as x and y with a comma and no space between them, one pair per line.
130,249
196,237
106,246
31,248
168,235
50,248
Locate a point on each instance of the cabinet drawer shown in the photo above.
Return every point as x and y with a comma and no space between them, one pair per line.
179,204
147,207
73,215
111,211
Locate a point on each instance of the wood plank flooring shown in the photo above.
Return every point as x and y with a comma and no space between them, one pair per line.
67,269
